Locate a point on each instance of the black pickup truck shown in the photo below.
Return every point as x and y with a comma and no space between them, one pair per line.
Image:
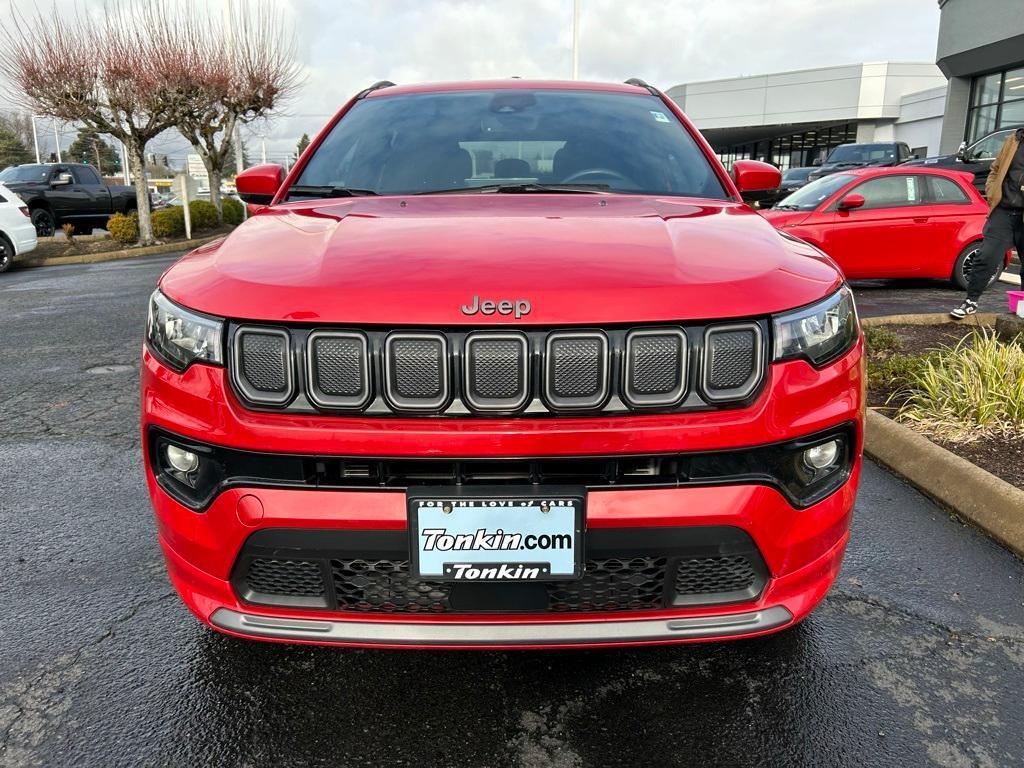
61,193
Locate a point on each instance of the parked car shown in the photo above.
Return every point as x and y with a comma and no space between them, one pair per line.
875,154
583,395
890,222
59,193
17,235
792,180
975,159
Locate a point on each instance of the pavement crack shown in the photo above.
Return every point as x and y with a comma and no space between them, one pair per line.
847,598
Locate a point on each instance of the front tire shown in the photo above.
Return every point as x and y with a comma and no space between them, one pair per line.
44,222
964,262
6,254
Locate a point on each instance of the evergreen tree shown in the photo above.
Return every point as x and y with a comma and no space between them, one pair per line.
301,146
12,149
89,148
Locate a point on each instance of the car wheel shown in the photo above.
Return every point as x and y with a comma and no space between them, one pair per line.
43,221
6,254
965,262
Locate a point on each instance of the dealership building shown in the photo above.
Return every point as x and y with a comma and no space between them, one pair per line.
981,51
792,118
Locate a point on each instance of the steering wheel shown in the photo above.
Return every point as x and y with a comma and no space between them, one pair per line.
596,173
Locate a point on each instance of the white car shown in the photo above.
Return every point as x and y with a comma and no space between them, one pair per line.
17,233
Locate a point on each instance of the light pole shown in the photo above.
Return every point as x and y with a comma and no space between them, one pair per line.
35,138
56,139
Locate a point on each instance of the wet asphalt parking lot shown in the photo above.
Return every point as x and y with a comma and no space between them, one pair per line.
915,659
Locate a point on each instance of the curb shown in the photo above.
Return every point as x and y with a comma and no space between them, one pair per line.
935,318
977,496
130,253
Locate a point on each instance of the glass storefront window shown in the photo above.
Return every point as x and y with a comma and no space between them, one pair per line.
997,101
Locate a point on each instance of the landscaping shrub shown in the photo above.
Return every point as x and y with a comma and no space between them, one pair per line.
69,233
894,372
169,222
124,229
970,390
232,211
203,214
881,339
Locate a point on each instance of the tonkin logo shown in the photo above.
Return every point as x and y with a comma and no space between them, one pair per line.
518,307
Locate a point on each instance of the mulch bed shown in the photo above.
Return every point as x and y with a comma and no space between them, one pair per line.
52,247
1002,456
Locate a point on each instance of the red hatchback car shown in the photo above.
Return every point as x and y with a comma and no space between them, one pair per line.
503,364
890,222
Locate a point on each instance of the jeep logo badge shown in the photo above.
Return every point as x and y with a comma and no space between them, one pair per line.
518,307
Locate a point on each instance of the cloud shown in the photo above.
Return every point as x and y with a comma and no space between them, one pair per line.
345,45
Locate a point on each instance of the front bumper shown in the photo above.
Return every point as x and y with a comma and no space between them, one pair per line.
801,549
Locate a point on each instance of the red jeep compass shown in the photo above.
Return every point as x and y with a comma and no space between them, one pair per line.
503,364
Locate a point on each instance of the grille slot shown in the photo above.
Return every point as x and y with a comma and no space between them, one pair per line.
576,370
286,582
655,367
338,369
497,371
416,370
733,357
262,365
719,578
612,584
386,586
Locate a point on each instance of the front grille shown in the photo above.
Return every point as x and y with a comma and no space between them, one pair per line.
733,355
494,372
678,566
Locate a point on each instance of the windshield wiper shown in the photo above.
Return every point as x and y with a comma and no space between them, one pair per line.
527,187
330,191
786,207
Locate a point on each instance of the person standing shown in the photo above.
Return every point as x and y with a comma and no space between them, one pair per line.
1004,228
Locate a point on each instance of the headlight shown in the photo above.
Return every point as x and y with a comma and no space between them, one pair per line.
820,333
181,337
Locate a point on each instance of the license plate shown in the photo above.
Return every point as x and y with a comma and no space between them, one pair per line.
492,537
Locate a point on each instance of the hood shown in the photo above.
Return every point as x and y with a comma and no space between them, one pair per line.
577,259
783,218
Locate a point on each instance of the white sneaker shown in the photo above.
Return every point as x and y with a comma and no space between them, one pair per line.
967,308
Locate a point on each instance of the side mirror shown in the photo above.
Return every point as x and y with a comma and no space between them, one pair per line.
755,179
816,162
62,180
961,152
259,184
850,202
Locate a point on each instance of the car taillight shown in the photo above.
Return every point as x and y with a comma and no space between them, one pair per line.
23,209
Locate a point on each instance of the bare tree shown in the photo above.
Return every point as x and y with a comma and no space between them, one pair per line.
125,71
249,71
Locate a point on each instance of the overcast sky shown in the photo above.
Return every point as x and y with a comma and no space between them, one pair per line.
344,45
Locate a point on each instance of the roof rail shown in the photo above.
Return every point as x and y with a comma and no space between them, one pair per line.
375,87
641,84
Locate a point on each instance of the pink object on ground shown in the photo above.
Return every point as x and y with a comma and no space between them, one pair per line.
1015,298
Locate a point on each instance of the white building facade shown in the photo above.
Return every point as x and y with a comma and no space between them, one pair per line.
792,118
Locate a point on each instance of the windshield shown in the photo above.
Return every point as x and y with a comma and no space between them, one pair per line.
862,153
811,195
26,173
796,174
431,142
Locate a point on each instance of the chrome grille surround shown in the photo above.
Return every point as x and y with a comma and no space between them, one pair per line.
655,362
270,393
732,387
353,397
585,366
416,362
507,392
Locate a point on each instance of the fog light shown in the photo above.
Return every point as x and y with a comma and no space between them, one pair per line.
822,456
181,460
